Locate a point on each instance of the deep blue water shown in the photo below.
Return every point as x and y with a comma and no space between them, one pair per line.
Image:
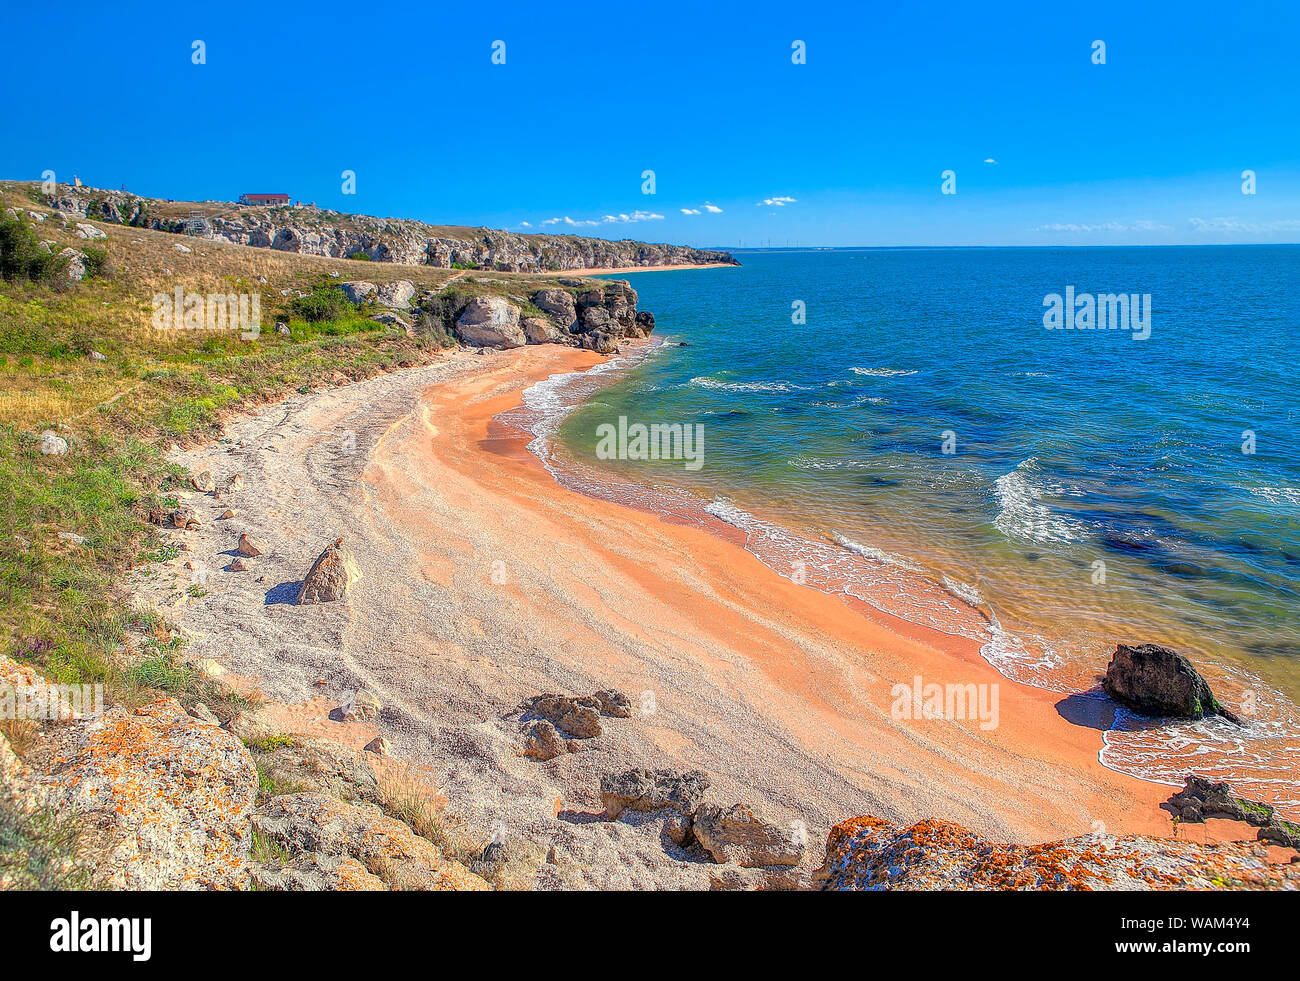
1070,448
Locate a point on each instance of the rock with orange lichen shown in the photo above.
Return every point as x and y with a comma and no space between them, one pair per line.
871,854
317,832
171,796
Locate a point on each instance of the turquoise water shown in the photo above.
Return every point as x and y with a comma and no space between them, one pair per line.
1094,488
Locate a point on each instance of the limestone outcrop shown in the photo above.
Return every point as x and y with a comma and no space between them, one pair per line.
868,853
316,231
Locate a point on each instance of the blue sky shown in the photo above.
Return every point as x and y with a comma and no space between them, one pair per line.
1148,148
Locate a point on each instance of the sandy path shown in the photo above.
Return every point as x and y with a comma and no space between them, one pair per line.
780,693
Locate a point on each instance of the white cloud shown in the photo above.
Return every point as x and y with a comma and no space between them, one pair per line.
1236,225
690,211
712,209
566,220
525,224
1106,226
989,160
779,202
633,217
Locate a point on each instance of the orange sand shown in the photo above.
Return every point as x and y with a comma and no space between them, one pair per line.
1029,772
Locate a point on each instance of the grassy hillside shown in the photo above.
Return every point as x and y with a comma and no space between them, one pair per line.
84,361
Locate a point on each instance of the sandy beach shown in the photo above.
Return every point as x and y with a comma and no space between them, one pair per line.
485,582
636,269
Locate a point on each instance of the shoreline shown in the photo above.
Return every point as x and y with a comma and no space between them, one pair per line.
902,596
958,652
618,270
484,583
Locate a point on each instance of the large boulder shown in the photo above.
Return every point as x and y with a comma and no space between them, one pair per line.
649,790
643,324
620,301
541,330
331,575
596,318
737,834
358,291
600,341
558,305
76,264
396,294
1155,680
490,321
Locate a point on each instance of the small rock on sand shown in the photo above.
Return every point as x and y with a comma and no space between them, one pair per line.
331,575
737,834
364,705
544,742
203,481
570,715
649,790
379,746
249,546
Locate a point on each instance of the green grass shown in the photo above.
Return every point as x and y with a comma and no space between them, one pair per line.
269,786
268,851
41,850
269,744
61,606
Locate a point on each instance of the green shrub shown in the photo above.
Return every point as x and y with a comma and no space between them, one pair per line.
322,303
21,255
96,262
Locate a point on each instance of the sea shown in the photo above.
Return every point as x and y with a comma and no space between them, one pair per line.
987,442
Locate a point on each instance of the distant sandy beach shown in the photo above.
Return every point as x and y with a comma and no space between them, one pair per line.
485,582
637,269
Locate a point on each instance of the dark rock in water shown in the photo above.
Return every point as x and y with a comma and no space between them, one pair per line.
684,344
1201,798
1283,833
600,341
1155,680
649,790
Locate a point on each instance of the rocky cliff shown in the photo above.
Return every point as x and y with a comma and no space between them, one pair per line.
316,231
867,853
